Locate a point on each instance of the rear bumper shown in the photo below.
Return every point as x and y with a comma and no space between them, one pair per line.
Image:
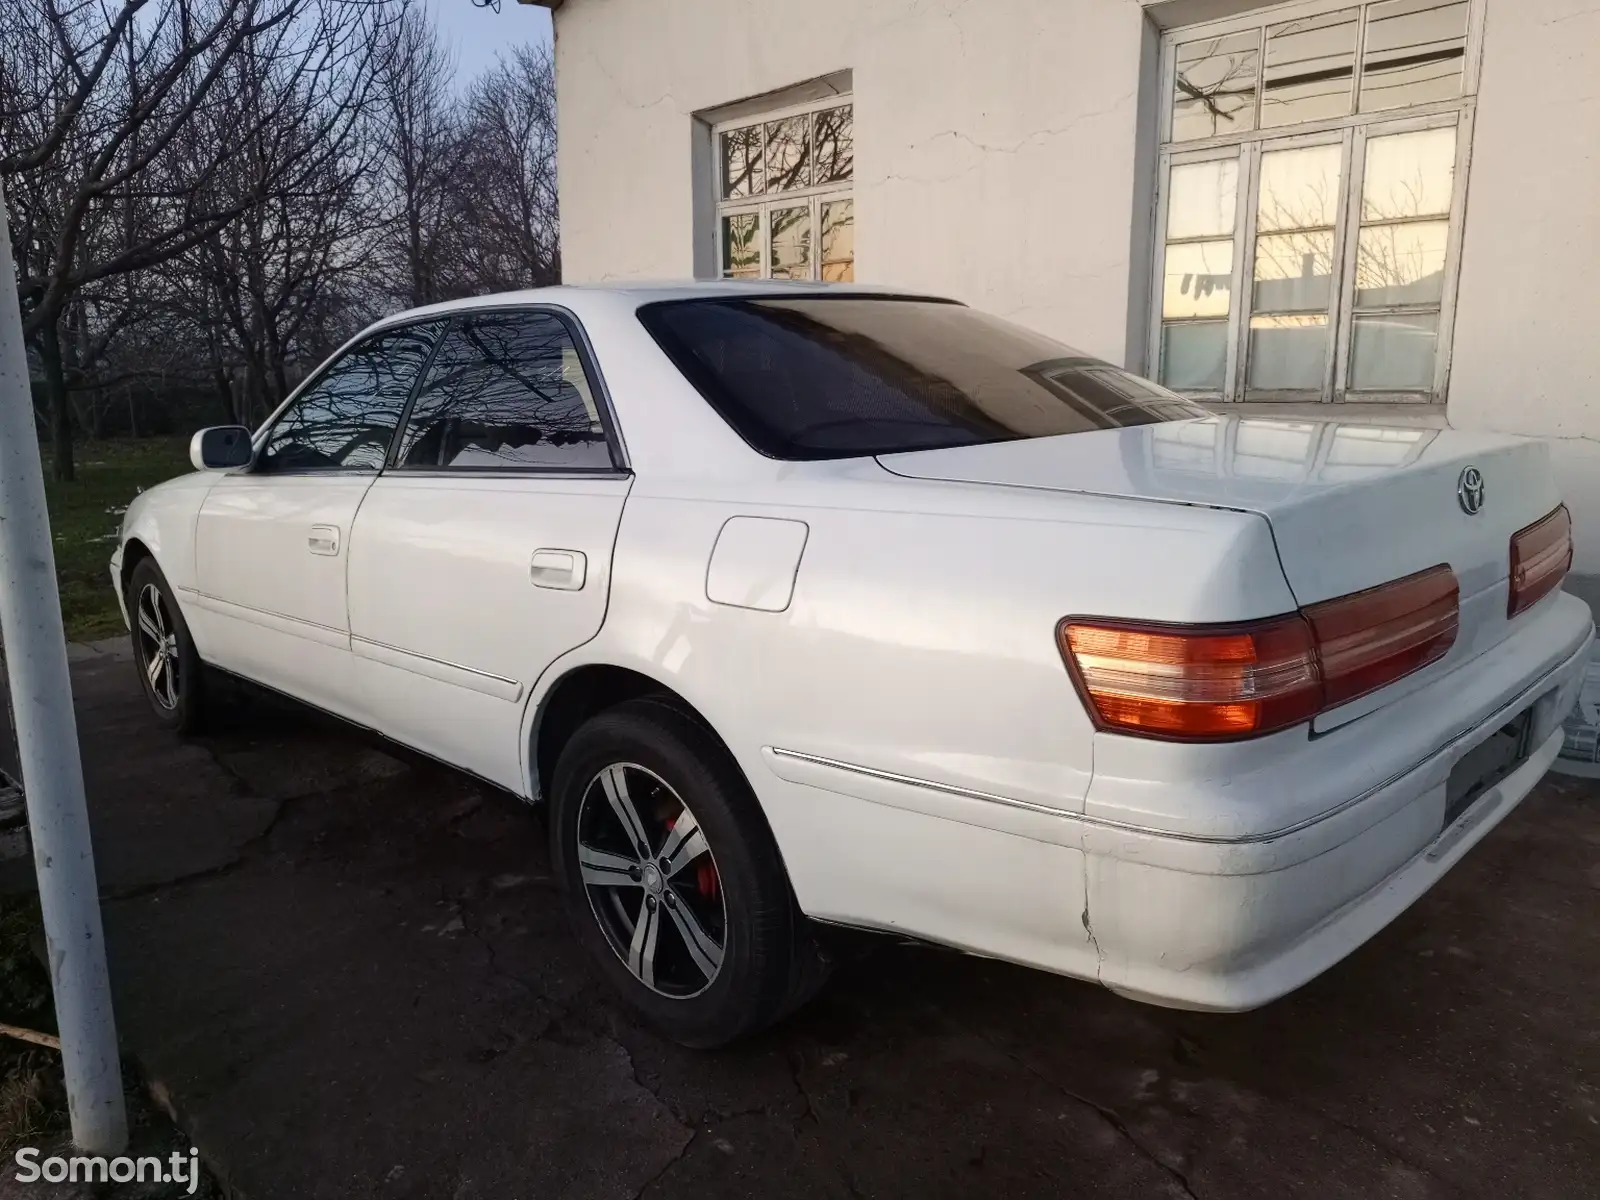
1232,943
1216,887
1233,923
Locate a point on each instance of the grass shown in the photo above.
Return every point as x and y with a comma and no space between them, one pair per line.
86,514
32,1099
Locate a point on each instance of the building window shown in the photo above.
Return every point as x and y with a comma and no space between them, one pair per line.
784,205
1310,201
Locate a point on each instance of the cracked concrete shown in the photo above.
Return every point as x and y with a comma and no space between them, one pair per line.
351,976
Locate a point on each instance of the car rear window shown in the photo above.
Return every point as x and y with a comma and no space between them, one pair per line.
818,377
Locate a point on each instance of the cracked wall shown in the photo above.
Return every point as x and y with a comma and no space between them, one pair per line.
996,153
995,141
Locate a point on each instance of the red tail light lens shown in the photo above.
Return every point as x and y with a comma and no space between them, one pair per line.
1222,683
1540,557
1369,639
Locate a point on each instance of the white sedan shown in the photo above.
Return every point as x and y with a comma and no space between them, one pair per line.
802,604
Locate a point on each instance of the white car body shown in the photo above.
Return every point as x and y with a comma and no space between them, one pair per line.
874,640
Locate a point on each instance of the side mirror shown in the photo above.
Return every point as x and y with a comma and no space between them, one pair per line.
221,447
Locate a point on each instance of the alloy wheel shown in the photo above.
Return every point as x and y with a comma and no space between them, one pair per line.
158,646
651,880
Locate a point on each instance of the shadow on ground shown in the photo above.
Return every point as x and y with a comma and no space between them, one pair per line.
350,976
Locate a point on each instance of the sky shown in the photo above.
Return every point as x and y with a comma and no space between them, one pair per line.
476,35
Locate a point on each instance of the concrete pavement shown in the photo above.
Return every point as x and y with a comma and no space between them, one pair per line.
348,976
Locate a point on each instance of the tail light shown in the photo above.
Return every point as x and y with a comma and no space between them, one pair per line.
1369,639
1201,682
1220,683
1540,557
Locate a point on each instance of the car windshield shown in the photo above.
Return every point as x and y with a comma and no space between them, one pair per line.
820,377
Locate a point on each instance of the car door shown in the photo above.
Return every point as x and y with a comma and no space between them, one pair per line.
483,552
272,540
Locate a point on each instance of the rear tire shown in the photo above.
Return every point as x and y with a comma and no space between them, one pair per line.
723,950
170,670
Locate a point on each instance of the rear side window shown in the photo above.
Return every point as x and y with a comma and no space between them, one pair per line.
506,390
837,377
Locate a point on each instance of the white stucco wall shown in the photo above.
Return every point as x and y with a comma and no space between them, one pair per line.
1002,158
995,141
1527,340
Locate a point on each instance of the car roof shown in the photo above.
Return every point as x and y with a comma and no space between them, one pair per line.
587,298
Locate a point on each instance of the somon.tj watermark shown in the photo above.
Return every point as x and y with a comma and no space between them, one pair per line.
177,1167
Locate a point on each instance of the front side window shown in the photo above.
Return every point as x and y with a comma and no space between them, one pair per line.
1310,202
346,420
506,391
843,376
784,205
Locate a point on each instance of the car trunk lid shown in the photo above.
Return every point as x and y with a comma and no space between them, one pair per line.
1351,506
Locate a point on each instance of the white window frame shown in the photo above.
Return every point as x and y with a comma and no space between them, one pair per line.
815,196
1351,132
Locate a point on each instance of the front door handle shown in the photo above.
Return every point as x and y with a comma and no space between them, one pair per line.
324,539
563,570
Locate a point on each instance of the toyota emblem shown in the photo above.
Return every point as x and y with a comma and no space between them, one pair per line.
1469,490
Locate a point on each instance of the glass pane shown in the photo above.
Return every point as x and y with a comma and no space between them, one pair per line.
1310,65
835,141
346,420
1197,280
840,375
1414,53
1202,198
791,242
1401,264
741,245
1214,91
1288,352
741,162
788,154
838,241
1409,175
498,394
1393,354
1299,188
1294,272
1194,355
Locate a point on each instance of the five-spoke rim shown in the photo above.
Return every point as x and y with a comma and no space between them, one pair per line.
651,880
158,646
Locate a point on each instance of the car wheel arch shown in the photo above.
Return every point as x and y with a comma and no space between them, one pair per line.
590,688
585,691
134,552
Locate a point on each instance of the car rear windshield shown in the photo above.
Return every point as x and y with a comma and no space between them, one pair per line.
817,377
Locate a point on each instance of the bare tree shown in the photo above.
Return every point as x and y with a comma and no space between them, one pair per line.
264,273
208,196
509,220
422,148
93,145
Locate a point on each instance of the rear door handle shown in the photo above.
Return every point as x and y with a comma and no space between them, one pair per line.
563,570
324,539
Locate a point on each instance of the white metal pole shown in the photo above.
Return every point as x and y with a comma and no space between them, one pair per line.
47,747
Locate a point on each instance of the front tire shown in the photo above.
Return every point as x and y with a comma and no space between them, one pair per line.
671,878
169,667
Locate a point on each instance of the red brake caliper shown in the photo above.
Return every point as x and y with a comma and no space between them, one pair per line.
705,879
705,875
